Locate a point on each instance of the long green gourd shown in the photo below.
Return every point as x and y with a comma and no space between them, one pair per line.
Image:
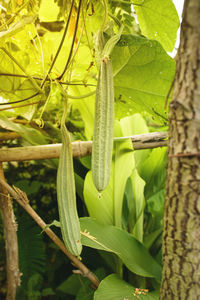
66,195
104,117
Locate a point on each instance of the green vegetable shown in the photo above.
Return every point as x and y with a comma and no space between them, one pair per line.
103,126
104,115
66,195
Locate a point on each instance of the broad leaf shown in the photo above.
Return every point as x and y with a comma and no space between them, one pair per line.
15,27
109,238
114,288
159,20
49,11
143,82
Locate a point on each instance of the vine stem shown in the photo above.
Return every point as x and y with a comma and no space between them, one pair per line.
73,41
128,3
60,46
23,201
18,106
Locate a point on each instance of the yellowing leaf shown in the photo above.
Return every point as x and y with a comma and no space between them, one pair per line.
49,11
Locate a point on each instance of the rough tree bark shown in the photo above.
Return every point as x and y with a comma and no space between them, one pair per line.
11,244
181,236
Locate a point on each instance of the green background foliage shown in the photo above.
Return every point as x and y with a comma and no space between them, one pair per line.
121,230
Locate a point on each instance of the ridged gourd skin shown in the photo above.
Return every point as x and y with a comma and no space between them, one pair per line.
66,195
103,126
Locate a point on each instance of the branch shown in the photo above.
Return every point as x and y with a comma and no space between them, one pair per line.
80,149
18,101
6,136
11,244
18,106
22,199
60,46
52,79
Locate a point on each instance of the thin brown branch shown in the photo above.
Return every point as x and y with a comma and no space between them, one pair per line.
18,101
48,79
6,136
18,106
22,199
73,41
184,154
168,94
60,46
80,148
10,235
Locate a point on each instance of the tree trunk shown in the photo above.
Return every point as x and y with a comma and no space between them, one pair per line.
181,236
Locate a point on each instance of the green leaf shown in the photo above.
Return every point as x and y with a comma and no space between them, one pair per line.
156,203
100,208
70,286
153,171
49,11
31,249
31,135
135,190
85,107
133,254
134,125
159,20
27,186
138,185
143,82
114,288
15,27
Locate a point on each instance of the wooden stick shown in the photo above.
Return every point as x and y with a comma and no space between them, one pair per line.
6,136
11,243
80,149
22,199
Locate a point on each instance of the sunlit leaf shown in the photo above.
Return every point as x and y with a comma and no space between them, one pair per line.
49,11
143,82
159,20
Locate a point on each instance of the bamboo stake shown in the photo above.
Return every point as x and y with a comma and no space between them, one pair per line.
22,199
80,148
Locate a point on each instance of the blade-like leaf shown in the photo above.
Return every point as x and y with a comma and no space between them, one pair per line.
31,135
135,197
109,238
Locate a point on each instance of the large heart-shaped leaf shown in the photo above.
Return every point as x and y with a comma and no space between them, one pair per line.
159,20
143,75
